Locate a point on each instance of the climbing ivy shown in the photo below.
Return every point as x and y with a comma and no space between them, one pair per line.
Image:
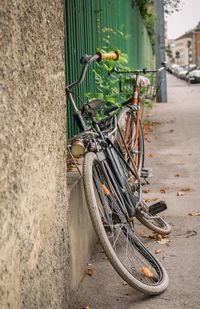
147,13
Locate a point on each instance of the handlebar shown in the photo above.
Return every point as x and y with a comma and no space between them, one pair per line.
137,72
86,60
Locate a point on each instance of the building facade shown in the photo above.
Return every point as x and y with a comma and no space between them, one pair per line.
186,48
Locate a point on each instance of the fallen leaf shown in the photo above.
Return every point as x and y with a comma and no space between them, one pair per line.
147,200
171,131
147,272
124,283
147,127
164,241
156,236
186,302
155,123
105,189
177,175
162,190
143,235
157,251
179,193
150,155
90,270
194,213
185,189
146,190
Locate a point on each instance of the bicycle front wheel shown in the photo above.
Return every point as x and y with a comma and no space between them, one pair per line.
130,258
132,135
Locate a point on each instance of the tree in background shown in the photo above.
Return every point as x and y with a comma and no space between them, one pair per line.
172,6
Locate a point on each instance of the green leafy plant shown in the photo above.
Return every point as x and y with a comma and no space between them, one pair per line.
107,84
147,13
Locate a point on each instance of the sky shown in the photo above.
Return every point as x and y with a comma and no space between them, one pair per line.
184,20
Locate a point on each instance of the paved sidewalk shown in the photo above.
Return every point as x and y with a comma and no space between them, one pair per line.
173,151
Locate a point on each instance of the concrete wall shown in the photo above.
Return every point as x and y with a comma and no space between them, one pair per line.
34,254
81,233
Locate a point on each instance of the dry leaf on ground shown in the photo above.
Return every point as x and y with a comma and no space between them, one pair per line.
155,123
150,155
156,236
146,190
148,200
147,272
147,127
177,175
90,271
143,235
124,283
185,189
179,193
194,213
164,241
157,251
163,190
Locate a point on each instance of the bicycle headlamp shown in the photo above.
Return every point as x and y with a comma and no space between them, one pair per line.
78,148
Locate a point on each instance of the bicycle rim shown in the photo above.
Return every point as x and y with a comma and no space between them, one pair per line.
132,138
133,262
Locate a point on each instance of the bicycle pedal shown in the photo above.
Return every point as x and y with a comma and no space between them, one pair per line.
158,207
146,173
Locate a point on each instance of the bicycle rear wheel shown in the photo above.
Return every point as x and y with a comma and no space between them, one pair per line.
133,262
134,141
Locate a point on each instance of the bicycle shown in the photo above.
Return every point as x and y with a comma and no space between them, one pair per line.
129,118
129,136
113,200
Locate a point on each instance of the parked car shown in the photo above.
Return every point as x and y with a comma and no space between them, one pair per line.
182,74
177,70
194,76
192,67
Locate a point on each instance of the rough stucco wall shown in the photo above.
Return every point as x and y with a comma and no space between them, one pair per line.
34,251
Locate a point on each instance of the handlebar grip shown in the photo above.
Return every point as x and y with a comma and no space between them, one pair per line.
108,56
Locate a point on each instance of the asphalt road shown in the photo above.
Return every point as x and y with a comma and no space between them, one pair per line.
173,152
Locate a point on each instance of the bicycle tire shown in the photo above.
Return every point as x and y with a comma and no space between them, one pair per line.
153,222
127,123
108,220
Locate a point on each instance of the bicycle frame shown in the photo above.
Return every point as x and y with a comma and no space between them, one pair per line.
108,151
135,102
